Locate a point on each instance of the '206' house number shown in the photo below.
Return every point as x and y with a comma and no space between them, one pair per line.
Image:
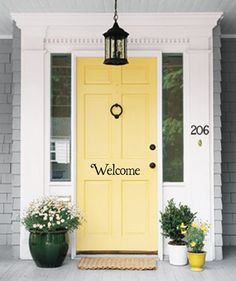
199,130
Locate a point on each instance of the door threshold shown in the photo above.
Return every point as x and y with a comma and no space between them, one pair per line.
111,254
117,252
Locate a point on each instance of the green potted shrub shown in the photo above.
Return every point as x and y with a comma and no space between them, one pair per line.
173,220
195,237
48,220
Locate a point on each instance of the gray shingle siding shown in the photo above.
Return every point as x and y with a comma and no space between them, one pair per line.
217,142
16,67
5,141
229,140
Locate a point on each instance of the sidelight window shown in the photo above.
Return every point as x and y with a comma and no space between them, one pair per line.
60,147
172,118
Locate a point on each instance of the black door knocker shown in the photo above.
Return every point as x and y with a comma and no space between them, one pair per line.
118,108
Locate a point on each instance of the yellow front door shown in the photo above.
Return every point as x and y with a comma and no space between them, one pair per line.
116,187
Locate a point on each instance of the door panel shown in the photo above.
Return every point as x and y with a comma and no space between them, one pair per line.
137,105
116,189
97,206
135,74
97,75
134,207
95,124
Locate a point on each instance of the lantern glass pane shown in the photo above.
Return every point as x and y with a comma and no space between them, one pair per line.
125,48
120,48
113,54
107,48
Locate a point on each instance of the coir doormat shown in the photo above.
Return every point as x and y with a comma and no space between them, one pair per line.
118,263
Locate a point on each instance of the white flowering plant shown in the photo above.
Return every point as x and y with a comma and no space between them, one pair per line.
49,214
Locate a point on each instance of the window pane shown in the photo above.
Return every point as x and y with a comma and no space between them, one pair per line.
60,117
172,117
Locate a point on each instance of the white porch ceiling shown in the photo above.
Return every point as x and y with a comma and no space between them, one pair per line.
143,6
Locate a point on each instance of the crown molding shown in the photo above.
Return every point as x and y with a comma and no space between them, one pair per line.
104,19
173,31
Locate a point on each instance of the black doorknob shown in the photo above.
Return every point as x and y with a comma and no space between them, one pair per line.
152,165
152,146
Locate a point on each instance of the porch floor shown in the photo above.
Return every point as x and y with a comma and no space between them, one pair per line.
17,270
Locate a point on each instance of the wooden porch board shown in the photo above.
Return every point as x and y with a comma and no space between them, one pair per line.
17,270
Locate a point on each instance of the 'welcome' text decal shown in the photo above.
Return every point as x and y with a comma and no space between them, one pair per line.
112,170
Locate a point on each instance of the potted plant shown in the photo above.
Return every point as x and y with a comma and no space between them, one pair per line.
48,220
173,220
195,237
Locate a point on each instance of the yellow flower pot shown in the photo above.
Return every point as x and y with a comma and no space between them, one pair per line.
196,261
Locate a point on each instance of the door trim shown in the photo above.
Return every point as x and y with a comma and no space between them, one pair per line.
158,55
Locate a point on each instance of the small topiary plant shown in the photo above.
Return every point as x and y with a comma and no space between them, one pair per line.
174,219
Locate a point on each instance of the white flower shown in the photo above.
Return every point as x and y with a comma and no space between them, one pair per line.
48,212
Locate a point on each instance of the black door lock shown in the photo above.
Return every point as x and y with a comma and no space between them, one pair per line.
152,165
152,146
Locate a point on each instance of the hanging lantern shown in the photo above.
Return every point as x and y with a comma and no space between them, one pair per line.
116,43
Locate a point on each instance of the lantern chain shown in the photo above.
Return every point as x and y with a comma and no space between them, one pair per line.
115,13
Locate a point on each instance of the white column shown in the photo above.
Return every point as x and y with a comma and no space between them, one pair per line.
32,123
199,155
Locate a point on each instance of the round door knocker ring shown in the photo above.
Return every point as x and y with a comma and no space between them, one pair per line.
120,110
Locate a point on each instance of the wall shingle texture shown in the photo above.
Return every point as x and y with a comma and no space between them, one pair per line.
5,141
16,67
217,142
229,140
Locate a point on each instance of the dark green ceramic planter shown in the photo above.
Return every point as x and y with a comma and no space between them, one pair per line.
48,249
